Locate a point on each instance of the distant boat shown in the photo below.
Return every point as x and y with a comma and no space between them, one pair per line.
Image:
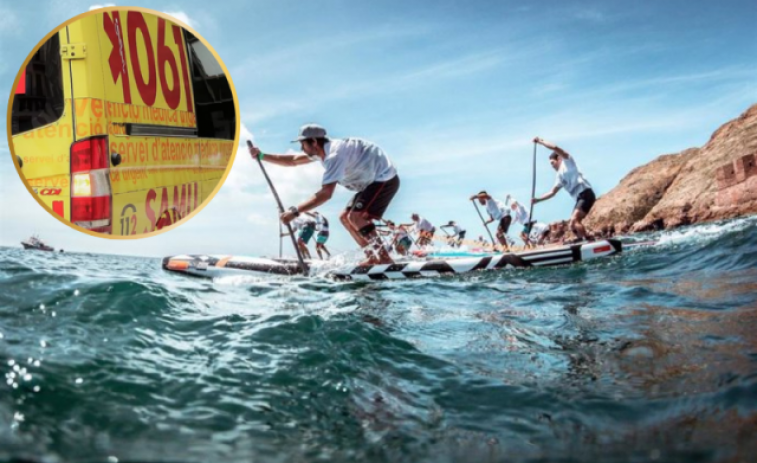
33,242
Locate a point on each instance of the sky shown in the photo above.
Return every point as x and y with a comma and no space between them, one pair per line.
454,92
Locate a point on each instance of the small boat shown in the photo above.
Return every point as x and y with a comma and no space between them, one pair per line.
33,242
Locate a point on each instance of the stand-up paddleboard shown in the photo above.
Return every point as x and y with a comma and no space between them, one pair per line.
478,252
433,254
559,255
216,266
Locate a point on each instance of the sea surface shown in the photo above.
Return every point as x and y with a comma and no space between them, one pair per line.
648,356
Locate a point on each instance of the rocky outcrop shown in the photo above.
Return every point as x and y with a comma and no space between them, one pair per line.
636,195
717,181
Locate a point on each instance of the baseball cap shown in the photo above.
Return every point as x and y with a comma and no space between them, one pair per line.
310,131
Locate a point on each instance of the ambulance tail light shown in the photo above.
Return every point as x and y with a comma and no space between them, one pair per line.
91,195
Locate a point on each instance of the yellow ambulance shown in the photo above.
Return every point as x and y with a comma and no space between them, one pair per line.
123,122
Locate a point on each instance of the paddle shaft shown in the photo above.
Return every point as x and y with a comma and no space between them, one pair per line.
281,240
494,243
533,189
281,211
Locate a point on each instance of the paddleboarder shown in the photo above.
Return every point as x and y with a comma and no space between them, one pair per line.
354,163
322,227
401,241
306,227
521,216
423,228
570,178
497,211
539,233
455,239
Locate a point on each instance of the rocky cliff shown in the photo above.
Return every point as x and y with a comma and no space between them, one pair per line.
716,181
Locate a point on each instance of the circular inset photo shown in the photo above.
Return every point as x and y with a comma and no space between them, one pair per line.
123,122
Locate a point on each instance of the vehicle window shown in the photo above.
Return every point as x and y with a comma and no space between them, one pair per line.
214,103
39,99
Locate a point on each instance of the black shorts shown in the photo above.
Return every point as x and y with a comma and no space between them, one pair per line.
374,200
585,201
504,224
461,235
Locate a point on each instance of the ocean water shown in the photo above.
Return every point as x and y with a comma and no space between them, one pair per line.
647,356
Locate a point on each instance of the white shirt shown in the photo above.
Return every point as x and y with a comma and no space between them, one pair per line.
537,231
521,214
496,209
458,229
355,164
423,225
321,223
569,177
302,222
400,233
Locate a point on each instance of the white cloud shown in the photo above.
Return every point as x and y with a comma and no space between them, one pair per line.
181,16
291,58
293,184
453,68
97,7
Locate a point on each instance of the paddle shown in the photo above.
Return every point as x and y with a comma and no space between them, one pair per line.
447,234
281,241
533,195
303,266
494,244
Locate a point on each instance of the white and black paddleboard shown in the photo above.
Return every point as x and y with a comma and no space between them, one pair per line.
215,266
559,255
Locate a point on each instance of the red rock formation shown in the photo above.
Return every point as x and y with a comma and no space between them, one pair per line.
717,181
696,195
636,195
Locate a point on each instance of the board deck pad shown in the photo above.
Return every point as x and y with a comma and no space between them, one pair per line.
559,255
215,266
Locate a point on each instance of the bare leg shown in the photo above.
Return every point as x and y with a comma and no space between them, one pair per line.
576,225
344,218
371,243
502,240
322,247
303,248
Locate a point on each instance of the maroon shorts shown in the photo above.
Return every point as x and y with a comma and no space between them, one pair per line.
374,200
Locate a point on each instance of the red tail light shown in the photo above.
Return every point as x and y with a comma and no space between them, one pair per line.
21,89
90,209
89,154
90,184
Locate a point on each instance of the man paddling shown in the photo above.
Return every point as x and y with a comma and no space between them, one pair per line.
423,228
521,216
497,211
322,227
357,165
401,241
306,227
458,235
570,178
539,233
